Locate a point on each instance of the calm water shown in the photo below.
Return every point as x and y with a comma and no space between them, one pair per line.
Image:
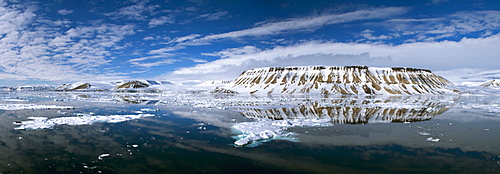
194,134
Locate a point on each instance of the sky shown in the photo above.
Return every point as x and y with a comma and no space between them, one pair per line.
192,41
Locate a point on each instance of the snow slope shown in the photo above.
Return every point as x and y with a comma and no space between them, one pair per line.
495,83
340,80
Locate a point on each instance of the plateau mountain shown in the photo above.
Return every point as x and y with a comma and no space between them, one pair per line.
339,80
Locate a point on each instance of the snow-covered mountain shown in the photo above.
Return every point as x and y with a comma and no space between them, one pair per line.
469,77
340,80
74,86
113,85
495,83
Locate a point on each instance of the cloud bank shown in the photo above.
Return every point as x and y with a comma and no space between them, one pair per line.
466,53
32,47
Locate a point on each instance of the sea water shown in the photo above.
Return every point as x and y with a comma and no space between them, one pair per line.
103,132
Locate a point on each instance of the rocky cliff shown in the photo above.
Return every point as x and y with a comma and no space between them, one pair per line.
340,80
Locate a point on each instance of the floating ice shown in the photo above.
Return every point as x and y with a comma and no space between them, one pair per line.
101,157
424,133
433,139
13,100
490,107
45,123
266,129
31,106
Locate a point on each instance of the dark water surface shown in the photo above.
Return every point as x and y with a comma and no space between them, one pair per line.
194,134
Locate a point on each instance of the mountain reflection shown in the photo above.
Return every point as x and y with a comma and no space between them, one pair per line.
355,110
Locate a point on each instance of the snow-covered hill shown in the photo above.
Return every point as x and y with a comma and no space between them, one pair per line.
113,85
340,80
495,83
74,86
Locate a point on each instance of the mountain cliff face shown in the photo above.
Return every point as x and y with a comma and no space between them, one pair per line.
340,80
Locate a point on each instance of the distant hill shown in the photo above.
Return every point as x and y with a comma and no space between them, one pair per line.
114,85
495,83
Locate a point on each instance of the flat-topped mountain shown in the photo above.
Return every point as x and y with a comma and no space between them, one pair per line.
340,80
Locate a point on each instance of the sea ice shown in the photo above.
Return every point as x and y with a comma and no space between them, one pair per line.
433,139
45,123
31,106
101,157
424,133
266,129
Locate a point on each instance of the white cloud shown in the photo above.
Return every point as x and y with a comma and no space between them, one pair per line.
438,1
165,50
33,47
148,38
466,53
466,75
138,72
185,38
213,16
160,21
457,24
64,12
308,23
161,53
368,34
158,63
139,11
14,19
198,60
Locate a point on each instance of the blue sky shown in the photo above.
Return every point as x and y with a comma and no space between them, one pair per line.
58,41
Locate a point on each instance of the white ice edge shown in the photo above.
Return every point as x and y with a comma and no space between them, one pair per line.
44,123
31,106
266,129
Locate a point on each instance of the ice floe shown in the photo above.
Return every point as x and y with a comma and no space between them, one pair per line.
423,133
101,157
45,123
433,139
31,106
252,133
